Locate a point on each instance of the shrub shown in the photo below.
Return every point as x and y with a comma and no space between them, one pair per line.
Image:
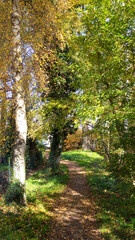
15,192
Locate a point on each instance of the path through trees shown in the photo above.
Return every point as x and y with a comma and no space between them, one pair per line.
74,212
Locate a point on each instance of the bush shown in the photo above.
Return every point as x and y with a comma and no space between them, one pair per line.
122,165
73,141
15,192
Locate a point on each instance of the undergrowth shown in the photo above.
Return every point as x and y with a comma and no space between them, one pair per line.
3,167
115,197
32,221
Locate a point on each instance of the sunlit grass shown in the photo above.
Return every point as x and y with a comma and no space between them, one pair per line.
32,221
114,197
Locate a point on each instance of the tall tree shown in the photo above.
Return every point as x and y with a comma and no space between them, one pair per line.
105,45
58,108
19,102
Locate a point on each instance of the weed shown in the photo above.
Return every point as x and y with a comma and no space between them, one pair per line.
14,192
3,168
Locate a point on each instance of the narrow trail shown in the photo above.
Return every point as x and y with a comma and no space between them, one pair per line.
74,213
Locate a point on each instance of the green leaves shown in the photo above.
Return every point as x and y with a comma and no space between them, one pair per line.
104,46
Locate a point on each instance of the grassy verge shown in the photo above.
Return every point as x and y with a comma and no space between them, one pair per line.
114,197
32,221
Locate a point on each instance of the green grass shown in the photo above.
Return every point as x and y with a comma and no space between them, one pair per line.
32,221
114,197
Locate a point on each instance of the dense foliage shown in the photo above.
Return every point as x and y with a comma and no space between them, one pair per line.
69,62
105,46
58,107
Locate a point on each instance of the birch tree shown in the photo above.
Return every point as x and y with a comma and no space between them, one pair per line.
19,103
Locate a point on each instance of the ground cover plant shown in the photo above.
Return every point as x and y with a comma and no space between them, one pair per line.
3,168
32,221
114,196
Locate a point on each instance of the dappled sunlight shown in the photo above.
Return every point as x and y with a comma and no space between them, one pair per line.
32,221
114,197
23,223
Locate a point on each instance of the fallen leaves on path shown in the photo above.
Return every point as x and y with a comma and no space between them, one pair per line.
74,212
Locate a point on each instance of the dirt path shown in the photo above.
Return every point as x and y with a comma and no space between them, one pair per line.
74,213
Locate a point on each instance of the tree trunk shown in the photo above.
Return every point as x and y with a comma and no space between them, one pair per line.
19,103
105,148
56,149
85,138
3,122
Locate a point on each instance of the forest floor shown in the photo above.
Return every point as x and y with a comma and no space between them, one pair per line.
74,212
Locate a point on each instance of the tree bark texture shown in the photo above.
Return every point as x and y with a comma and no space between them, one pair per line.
19,103
56,149
3,124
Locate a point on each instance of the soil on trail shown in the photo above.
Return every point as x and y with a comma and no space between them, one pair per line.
74,213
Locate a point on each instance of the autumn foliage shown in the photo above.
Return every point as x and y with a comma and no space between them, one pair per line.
73,141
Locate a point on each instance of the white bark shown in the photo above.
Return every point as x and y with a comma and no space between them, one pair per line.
20,112
85,138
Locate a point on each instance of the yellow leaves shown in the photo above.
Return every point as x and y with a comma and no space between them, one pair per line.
73,140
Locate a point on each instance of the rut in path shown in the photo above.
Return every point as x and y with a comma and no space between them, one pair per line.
74,213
